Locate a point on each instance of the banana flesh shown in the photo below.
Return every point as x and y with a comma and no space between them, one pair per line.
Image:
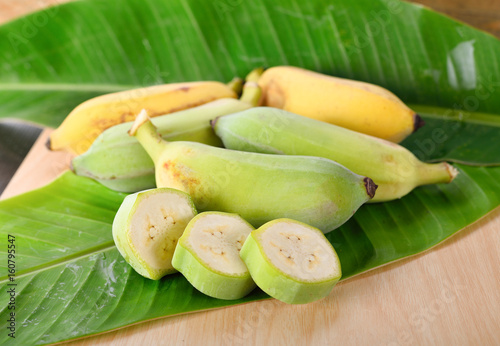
84,124
291,261
355,105
119,162
257,187
393,168
208,255
147,227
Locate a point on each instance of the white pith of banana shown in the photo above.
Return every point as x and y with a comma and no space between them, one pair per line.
208,255
147,227
291,261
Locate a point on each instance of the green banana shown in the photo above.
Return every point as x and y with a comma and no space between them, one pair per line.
393,168
119,162
147,227
208,255
258,187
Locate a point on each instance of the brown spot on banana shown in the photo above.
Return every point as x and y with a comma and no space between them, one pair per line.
178,174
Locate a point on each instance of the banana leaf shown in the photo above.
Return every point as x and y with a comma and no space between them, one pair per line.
70,280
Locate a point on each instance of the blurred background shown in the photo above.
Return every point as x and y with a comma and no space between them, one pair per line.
482,14
17,138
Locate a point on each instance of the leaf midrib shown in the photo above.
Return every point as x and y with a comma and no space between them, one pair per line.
434,112
429,111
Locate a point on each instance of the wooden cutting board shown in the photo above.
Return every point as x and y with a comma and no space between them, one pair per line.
448,295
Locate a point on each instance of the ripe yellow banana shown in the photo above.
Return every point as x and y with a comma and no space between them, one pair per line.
87,121
358,106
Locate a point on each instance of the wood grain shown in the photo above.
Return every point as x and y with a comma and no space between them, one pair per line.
446,296
10,9
482,14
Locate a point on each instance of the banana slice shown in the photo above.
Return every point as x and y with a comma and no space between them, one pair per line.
291,261
147,227
208,255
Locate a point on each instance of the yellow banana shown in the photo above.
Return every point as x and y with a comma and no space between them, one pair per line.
87,121
355,105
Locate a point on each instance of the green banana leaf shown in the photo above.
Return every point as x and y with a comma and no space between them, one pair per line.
456,136
70,280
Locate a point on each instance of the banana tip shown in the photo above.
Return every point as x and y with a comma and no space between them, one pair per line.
254,75
452,171
141,118
370,187
418,122
213,122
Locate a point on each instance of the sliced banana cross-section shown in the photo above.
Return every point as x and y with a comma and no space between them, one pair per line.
147,227
291,261
208,255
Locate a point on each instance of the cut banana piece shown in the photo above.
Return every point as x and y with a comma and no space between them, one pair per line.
291,261
147,227
208,255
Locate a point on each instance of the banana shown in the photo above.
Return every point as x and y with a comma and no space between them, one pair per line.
82,126
257,187
147,226
392,167
291,261
208,255
119,162
358,106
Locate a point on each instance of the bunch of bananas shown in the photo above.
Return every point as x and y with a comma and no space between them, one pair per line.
315,150
363,119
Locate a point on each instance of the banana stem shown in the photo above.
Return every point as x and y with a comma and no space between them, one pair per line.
251,94
251,90
236,84
434,173
254,75
147,134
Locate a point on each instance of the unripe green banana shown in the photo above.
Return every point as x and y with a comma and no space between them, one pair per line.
208,255
148,225
257,187
291,261
393,168
119,162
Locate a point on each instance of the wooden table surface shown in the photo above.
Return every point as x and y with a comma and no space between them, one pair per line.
446,296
